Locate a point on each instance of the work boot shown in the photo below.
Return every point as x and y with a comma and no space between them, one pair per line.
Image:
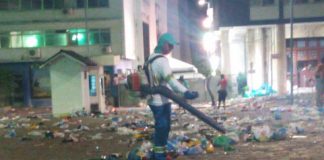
159,153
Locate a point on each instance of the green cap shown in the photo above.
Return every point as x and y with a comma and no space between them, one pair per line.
167,37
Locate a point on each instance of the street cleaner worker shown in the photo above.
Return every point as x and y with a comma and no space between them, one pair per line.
161,74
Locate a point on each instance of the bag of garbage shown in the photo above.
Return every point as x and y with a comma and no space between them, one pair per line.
261,133
224,142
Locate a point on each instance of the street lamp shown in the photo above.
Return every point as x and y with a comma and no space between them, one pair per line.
201,2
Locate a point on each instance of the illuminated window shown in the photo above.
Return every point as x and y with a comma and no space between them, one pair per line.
69,37
32,39
15,40
77,37
92,85
56,38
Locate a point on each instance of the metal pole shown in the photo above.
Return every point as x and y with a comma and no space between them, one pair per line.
86,24
291,51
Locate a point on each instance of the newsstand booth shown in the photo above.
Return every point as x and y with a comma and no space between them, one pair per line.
76,84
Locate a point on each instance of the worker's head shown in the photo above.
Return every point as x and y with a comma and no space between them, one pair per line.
222,76
181,78
166,43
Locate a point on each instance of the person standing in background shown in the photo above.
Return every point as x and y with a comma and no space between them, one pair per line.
222,92
319,75
115,92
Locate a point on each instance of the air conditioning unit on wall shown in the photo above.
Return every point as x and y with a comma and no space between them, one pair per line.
107,49
34,53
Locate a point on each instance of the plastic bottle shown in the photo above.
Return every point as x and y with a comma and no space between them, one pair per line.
210,148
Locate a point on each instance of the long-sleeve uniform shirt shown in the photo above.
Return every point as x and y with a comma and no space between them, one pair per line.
162,75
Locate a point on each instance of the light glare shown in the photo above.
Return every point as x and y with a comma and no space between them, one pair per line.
214,62
201,2
209,42
207,22
31,41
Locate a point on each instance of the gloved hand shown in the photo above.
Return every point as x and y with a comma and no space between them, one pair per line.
191,94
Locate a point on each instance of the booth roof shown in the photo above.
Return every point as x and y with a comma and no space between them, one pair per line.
68,53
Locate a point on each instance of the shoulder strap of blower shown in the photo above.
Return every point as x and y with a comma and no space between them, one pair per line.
146,65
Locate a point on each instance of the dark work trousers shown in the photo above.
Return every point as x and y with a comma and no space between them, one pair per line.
162,117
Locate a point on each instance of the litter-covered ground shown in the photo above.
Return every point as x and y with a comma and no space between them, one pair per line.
257,128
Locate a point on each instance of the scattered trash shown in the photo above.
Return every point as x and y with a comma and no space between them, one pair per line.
35,133
224,142
49,135
279,134
298,137
264,119
97,136
11,134
261,133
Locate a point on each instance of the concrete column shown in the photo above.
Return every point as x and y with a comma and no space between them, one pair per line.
256,57
258,66
266,54
279,61
250,57
225,56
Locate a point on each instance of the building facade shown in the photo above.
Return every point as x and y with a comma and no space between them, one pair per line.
255,40
115,34
110,32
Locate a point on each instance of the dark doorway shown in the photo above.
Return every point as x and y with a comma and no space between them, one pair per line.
146,39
